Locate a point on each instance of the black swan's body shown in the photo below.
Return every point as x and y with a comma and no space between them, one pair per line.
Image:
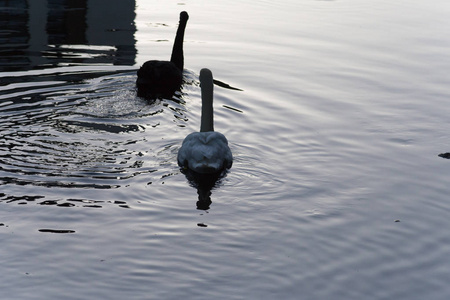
158,78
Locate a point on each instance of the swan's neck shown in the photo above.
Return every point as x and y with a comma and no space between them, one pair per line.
177,51
207,119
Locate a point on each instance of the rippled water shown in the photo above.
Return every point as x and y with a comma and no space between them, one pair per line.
336,191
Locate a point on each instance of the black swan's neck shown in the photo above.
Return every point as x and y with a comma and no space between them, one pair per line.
177,57
207,88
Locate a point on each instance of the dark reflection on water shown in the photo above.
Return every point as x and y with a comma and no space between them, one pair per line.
45,33
57,230
204,183
70,202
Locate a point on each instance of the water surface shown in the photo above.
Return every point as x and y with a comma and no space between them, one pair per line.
336,190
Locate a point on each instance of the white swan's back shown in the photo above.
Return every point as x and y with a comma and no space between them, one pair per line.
206,151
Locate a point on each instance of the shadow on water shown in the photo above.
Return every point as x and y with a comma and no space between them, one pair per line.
36,34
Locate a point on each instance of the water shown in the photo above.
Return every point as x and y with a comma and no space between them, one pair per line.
336,190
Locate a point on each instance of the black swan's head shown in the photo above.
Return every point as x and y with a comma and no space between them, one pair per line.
184,17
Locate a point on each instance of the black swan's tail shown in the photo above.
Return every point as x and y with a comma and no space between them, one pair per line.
177,57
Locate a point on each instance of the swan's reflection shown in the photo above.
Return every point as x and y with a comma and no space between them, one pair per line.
204,183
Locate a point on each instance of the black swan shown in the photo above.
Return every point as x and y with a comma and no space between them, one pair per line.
207,151
158,78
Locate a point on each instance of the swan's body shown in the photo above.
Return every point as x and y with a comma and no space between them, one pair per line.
158,78
206,151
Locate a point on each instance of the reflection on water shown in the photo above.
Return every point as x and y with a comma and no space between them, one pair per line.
204,183
45,33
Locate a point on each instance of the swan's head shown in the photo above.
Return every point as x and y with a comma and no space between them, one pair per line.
206,77
184,16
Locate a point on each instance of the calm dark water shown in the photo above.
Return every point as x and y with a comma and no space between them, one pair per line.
336,191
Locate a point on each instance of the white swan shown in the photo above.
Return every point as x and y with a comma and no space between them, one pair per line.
206,151
159,78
